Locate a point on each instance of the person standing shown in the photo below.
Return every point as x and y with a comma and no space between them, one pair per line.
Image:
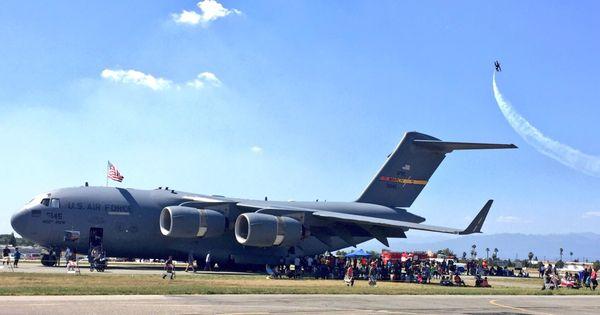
17,257
169,268
297,266
6,256
190,263
309,264
207,263
594,278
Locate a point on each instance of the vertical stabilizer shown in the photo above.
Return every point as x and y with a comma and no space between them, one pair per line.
407,170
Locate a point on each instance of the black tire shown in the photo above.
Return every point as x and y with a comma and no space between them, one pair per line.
49,260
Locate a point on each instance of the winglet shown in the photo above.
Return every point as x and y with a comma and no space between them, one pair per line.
477,223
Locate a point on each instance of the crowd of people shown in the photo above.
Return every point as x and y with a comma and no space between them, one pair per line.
444,271
587,278
474,267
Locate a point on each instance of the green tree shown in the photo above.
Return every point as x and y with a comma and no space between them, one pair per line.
530,255
12,240
464,256
341,253
571,256
487,253
561,253
446,252
473,251
495,254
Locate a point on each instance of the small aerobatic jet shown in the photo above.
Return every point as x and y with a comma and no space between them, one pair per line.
126,222
497,65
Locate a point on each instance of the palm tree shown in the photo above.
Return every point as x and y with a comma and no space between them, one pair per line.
530,255
487,253
473,252
464,256
571,255
561,253
495,254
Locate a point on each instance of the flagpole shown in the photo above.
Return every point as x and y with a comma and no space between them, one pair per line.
107,166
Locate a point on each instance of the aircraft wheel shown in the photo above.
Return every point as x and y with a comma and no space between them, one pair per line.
48,260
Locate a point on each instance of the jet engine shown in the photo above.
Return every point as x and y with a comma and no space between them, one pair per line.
264,230
187,222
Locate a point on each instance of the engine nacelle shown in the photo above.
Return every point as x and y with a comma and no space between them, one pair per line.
188,222
264,230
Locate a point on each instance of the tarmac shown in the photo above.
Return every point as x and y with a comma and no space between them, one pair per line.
300,304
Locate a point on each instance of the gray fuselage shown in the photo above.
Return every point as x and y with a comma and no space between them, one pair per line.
129,219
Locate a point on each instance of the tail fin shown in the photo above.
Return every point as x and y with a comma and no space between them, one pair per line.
408,169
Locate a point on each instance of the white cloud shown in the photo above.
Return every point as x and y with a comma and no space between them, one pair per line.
256,149
210,10
203,79
139,78
591,214
187,17
136,77
509,219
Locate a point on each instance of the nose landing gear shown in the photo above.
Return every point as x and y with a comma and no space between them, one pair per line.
52,258
48,260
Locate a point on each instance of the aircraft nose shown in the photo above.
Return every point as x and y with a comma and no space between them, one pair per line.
19,221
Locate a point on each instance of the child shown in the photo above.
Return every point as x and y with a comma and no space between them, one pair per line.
169,268
349,277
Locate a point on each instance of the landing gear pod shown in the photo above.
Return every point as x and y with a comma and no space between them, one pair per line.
187,222
264,230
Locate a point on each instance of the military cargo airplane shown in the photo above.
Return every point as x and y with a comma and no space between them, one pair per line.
497,65
161,222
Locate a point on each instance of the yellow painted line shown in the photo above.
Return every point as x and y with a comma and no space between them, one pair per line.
495,303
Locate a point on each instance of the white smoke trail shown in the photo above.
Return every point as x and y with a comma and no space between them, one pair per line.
563,153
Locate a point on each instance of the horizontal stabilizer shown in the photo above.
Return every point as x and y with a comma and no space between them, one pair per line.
447,146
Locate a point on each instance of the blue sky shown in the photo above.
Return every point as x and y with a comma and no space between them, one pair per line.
302,100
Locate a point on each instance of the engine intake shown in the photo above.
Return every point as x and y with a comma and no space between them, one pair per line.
188,222
264,230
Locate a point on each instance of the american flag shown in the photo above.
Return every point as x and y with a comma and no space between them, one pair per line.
113,173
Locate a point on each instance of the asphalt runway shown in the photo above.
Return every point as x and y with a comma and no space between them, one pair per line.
300,304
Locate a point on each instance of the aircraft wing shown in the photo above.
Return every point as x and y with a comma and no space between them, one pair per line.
376,227
474,227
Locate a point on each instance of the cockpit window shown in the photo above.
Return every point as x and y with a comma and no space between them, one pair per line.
51,202
54,203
